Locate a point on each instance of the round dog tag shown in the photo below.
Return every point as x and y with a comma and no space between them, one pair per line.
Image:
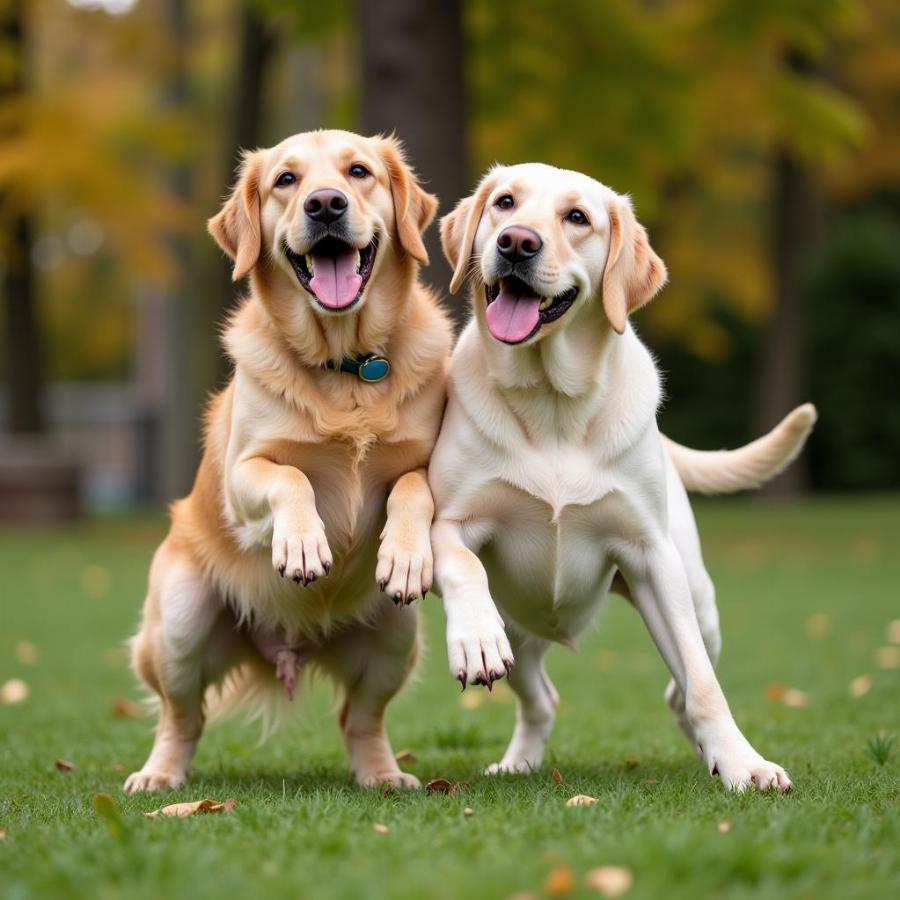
375,368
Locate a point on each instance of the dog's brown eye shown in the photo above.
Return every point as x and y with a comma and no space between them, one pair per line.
285,179
505,202
358,171
577,217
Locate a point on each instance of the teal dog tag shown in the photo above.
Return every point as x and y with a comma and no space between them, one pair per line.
374,368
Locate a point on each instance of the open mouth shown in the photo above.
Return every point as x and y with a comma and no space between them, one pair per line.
335,273
516,311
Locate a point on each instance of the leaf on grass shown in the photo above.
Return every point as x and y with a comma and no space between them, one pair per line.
893,632
775,691
795,698
560,882
611,881
468,811
123,708
441,786
65,765
818,625
380,828
26,653
192,808
2,835
405,755
107,809
557,777
724,826
13,691
650,781
860,686
887,657
581,800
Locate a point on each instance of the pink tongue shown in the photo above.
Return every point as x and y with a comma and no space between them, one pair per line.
336,282
512,317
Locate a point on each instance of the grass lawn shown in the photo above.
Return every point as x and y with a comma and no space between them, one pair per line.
805,592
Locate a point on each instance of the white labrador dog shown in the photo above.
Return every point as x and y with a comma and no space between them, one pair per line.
551,481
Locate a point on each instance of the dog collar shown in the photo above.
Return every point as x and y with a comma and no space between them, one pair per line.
368,367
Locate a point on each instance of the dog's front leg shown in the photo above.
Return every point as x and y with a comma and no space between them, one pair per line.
405,564
262,491
477,646
659,586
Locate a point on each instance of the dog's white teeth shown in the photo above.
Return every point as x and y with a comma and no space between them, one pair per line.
545,303
309,264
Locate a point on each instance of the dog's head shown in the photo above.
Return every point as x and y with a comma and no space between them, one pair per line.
543,242
324,208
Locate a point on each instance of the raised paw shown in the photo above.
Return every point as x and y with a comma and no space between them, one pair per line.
405,566
478,649
301,554
152,781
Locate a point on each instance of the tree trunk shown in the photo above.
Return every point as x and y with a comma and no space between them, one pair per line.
413,83
795,231
24,353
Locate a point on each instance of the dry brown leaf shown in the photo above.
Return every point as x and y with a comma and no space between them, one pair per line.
650,781
468,811
557,777
818,625
795,698
380,828
26,653
611,881
775,691
123,708
13,691
893,632
560,882
192,808
581,800
405,755
887,657
2,834
724,826
860,686
441,786
65,765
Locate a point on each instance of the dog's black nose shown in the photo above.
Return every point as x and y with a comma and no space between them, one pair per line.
325,205
518,243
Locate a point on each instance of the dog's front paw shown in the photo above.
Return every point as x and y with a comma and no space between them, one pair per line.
740,767
478,648
405,565
301,553
153,781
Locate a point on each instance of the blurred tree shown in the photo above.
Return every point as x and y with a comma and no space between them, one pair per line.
411,82
24,350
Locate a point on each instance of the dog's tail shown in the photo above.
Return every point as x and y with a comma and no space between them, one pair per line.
727,471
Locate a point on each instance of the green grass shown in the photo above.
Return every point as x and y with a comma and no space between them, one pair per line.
301,829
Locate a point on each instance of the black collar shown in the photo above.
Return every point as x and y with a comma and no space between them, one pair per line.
369,367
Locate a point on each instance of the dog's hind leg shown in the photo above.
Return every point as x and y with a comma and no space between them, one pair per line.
184,644
537,700
372,662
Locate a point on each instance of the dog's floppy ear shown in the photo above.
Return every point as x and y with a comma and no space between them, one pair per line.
414,208
458,231
634,273
236,226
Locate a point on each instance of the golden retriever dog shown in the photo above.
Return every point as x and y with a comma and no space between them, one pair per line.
311,499
551,481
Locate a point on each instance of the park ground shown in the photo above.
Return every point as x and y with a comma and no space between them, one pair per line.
807,593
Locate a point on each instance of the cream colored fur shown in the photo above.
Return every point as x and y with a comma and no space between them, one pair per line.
552,483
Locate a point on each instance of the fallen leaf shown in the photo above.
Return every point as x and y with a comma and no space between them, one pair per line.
795,698
893,632
581,800
468,811
887,657
380,828
108,810
472,699
405,755
774,691
26,653
123,708
560,882
861,685
557,776
724,826
611,881
64,765
650,781
631,761
191,808
818,625
440,786
13,691
2,834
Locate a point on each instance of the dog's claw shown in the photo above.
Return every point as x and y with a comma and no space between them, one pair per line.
327,567
461,678
281,569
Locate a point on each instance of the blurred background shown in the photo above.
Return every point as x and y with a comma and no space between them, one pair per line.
760,142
